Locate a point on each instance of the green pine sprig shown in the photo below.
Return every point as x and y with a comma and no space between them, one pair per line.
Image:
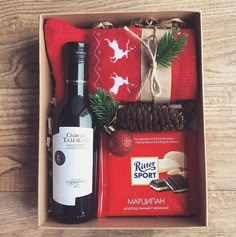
104,106
169,47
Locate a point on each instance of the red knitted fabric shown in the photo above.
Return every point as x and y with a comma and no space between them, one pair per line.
184,71
115,61
57,33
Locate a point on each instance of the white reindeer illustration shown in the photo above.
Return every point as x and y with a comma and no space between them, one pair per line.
118,82
118,52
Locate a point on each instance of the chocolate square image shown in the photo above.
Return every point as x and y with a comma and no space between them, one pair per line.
159,185
177,183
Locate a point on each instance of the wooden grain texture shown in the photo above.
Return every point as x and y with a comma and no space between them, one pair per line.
21,176
19,218
19,133
19,110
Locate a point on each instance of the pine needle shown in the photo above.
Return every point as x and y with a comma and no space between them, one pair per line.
169,47
103,105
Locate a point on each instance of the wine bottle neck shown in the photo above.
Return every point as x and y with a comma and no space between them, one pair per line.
76,88
76,69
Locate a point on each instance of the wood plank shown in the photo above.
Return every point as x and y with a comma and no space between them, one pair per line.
18,116
19,139
219,48
20,170
220,114
15,7
21,207
220,95
19,61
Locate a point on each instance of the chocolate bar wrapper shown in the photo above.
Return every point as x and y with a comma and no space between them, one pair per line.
156,179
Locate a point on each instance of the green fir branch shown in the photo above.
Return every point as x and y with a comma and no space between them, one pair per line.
103,105
169,47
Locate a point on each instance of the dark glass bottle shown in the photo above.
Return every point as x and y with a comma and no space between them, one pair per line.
74,163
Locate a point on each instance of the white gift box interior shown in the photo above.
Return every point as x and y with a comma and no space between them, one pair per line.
86,20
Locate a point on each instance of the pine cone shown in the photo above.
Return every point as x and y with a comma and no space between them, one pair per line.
150,117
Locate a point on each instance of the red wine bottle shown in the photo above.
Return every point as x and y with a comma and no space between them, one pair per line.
74,163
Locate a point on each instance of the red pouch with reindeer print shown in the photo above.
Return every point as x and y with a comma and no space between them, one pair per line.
114,58
118,62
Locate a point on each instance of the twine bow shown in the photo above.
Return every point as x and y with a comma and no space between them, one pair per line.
151,51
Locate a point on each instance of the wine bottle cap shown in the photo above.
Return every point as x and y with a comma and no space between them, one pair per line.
76,46
76,51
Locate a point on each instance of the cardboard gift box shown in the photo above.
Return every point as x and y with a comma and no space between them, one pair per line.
46,88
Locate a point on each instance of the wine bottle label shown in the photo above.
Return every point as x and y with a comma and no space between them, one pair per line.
72,164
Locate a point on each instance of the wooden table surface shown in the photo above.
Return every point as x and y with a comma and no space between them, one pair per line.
19,111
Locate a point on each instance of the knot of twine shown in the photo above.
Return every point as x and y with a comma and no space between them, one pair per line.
103,25
151,51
